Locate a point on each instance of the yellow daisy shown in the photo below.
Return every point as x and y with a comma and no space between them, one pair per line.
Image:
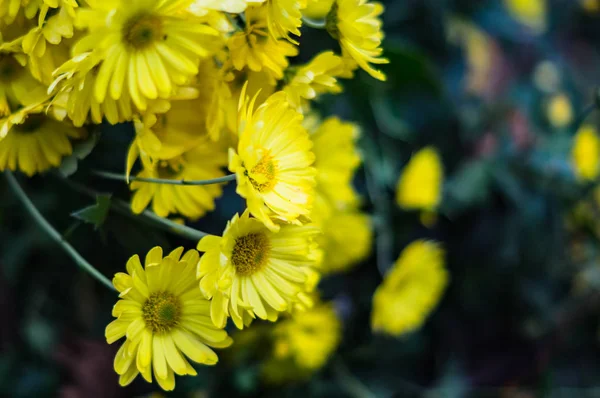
273,161
143,47
17,86
585,155
254,272
356,24
192,201
420,185
33,142
317,9
164,318
317,77
285,17
410,290
257,49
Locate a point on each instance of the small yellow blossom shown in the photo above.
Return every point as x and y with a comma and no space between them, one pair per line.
420,185
585,155
531,13
410,290
285,17
560,110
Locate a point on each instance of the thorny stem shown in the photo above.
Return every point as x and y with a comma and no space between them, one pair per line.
120,177
57,237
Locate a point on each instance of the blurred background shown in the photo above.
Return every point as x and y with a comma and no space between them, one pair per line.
501,90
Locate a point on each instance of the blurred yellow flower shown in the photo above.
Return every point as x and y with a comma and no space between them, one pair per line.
585,155
420,185
273,161
255,48
231,6
317,9
254,272
531,13
356,24
17,85
559,110
410,290
164,318
317,77
285,17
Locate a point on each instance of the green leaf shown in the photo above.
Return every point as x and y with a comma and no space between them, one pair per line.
468,188
95,214
81,150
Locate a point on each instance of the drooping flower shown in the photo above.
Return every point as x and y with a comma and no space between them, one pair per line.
420,185
317,77
356,24
273,161
256,49
164,319
204,162
254,272
142,47
585,155
410,290
285,17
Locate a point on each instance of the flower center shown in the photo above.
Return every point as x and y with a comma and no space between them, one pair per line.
30,125
161,312
9,69
331,22
262,175
168,170
142,30
250,253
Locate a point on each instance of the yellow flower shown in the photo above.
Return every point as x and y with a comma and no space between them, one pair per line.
308,338
585,155
317,77
164,318
346,240
421,182
531,13
317,9
142,47
258,50
254,272
335,168
356,25
229,6
273,161
17,86
285,17
411,289
33,142
201,163
560,111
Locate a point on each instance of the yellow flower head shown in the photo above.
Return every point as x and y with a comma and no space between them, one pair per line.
143,47
164,318
204,162
560,111
317,77
317,9
257,49
585,155
308,338
273,161
531,13
229,6
356,24
254,272
34,142
17,86
285,17
346,240
411,289
421,182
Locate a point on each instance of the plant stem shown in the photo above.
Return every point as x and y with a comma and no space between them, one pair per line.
45,225
314,24
354,387
120,177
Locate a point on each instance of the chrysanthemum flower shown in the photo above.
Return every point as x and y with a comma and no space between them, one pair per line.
421,182
254,272
17,86
356,25
201,163
33,142
257,49
317,77
308,338
229,6
273,161
142,47
317,9
164,318
410,290
585,155
285,17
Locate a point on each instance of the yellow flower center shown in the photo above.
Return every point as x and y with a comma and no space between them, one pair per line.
9,69
31,125
331,22
262,175
250,253
142,30
169,170
161,312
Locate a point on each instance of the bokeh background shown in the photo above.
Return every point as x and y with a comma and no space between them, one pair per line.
500,89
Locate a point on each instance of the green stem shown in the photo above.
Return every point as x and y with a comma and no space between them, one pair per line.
45,225
314,24
353,386
120,177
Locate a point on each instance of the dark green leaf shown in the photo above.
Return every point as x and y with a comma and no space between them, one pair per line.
95,214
